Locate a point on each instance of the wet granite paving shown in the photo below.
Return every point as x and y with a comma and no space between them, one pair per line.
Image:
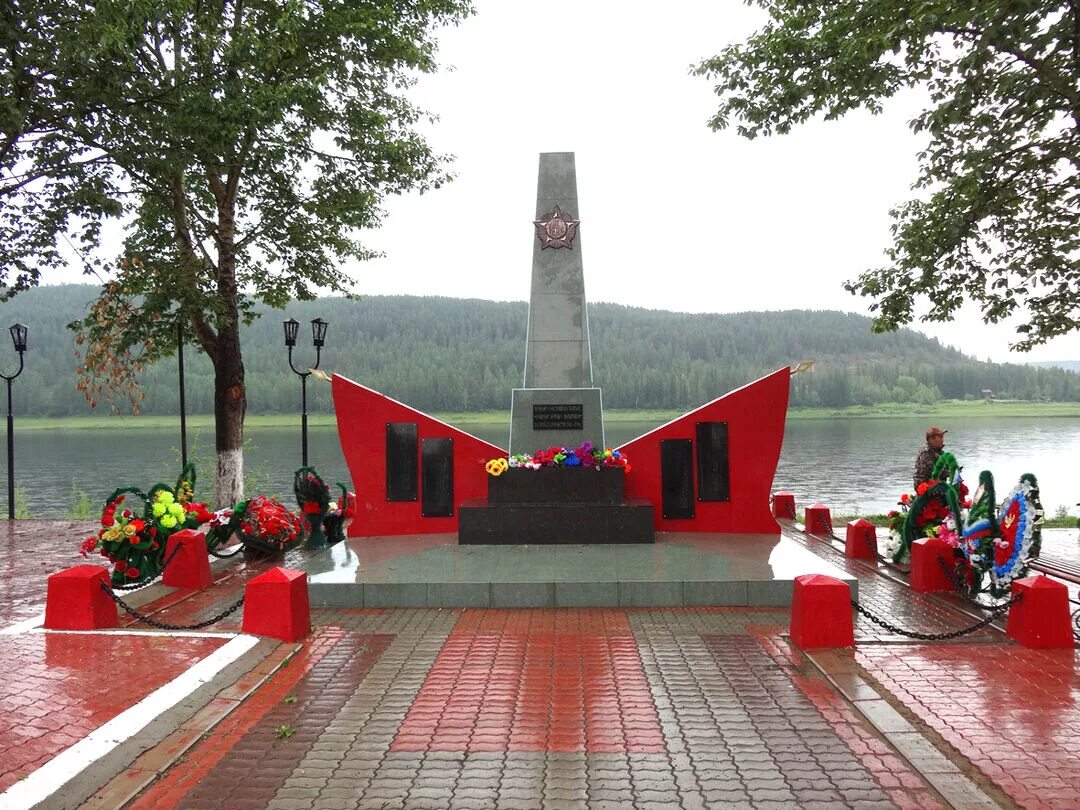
602,708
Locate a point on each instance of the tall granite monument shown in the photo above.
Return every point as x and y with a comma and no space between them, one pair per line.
558,404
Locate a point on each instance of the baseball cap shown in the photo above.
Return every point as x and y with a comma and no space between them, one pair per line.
935,431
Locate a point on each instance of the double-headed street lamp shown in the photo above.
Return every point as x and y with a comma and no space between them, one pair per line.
18,337
318,337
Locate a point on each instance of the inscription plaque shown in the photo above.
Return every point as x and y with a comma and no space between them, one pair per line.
437,477
401,462
714,481
569,416
677,478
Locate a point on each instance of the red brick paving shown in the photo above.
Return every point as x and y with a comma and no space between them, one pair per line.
1014,712
553,679
30,550
55,689
540,680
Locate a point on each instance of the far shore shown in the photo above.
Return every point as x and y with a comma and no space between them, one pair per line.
950,409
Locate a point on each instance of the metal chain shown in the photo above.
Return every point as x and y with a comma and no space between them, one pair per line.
1076,623
892,628
165,625
164,565
872,542
954,580
791,512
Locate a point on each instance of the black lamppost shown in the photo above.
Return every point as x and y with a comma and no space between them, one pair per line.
318,337
18,337
183,405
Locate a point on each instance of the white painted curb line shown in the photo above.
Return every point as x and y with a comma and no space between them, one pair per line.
23,626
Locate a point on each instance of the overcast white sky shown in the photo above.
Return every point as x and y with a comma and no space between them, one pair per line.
673,215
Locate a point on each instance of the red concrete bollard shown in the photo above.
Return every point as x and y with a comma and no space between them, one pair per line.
818,519
821,613
75,600
1041,617
276,605
190,568
927,572
860,543
783,505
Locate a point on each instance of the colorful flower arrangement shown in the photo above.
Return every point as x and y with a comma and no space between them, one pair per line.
262,523
133,537
1000,547
325,518
933,510
584,456
993,544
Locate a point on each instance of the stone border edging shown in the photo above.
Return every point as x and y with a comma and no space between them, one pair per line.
955,787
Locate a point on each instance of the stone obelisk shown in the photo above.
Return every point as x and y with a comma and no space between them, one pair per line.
557,404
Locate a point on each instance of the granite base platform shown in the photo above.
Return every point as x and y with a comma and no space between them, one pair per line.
434,571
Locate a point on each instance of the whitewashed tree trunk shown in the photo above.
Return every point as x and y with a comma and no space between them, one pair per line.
229,484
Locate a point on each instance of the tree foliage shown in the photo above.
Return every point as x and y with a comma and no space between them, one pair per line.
243,144
40,61
994,220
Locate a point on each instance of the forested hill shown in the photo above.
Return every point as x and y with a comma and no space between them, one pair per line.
443,354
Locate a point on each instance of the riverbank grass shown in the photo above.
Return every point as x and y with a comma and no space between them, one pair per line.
942,411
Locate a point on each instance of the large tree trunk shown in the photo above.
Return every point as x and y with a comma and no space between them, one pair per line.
230,403
230,396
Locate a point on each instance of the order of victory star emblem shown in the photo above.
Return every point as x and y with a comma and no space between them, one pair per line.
556,230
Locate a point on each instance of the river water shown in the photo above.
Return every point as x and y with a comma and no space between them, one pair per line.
852,465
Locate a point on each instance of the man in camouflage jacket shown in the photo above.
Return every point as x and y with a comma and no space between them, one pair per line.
924,464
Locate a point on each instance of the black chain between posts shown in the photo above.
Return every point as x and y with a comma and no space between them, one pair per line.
953,575
165,625
995,612
871,541
1076,623
132,586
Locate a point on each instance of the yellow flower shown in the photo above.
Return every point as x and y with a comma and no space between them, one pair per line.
112,534
176,510
168,521
165,497
158,510
129,530
497,466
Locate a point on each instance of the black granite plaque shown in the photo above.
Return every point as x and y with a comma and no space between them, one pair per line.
569,416
677,477
401,461
437,477
713,480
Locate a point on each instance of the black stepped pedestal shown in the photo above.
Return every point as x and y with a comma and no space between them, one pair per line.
555,505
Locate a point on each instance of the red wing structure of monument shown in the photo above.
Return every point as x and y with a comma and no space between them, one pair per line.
710,470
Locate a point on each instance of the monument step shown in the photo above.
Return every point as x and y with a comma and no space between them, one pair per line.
481,522
434,571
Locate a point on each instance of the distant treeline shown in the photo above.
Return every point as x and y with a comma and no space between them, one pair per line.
444,354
